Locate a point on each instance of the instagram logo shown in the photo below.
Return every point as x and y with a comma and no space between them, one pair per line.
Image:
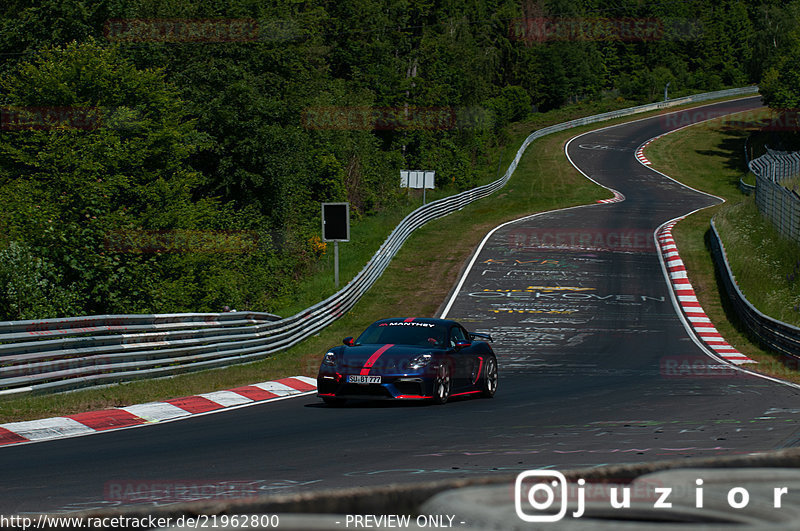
536,492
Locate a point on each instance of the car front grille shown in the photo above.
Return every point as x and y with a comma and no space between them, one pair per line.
408,388
364,390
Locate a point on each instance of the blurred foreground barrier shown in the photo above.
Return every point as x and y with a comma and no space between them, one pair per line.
59,354
663,495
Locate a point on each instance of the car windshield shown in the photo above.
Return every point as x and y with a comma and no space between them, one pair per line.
405,333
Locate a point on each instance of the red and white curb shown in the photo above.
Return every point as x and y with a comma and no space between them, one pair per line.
687,298
640,150
153,412
618,198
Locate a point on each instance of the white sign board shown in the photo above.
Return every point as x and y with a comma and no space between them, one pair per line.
429,181
417,179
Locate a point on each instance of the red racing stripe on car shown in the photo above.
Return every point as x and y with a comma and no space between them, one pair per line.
414,397
372,359
480,368
466,393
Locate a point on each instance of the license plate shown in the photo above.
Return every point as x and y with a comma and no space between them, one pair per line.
363,379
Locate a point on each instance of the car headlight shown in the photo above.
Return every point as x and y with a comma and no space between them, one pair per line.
420,361
329,359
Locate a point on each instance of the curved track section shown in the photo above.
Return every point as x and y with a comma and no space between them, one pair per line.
592,356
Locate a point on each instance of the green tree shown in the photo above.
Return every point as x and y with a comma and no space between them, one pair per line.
780,82
97,147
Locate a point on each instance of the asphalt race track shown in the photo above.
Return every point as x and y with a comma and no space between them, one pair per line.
587,338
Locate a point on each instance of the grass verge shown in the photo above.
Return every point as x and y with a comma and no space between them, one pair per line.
710,157
430,261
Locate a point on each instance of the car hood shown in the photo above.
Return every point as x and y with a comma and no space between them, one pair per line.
381,357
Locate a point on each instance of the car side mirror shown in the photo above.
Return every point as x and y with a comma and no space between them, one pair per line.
349,341
462,343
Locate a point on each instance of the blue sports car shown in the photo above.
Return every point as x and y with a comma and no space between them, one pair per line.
409,359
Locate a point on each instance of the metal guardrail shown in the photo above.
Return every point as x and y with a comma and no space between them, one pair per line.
746,189
59,354
776,202
775,335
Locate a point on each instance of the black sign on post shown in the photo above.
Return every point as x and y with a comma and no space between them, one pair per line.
336,222
336,228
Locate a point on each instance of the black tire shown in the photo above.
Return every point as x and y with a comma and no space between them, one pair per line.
333,401
442,385
490,378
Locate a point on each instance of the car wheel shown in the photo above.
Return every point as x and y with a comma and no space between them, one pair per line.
333,401
441,385
490,378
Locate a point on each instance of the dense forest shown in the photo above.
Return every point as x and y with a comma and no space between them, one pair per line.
171,155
